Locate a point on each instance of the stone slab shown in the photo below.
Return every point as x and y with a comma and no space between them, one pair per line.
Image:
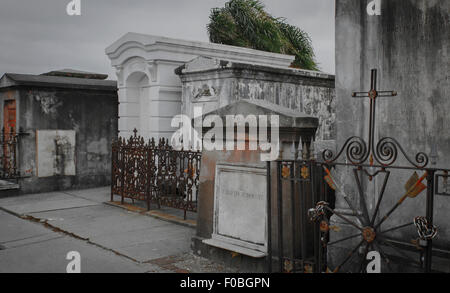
98,195
50,257
43,202
240,208
29,247
234,248
55,152
134,235
11,232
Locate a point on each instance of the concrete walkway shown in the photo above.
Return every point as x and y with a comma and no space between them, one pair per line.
37,231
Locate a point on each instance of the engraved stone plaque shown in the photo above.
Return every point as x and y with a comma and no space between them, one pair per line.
240,209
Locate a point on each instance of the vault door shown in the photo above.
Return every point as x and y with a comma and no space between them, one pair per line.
8,138
9,116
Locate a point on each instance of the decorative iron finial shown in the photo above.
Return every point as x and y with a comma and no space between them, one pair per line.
300,148
311,150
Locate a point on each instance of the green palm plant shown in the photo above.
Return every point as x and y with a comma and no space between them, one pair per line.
245,23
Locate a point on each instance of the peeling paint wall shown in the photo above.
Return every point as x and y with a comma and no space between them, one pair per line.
55,153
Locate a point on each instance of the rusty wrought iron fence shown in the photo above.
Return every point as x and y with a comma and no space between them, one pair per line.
8,154
154,172
317,243
396,221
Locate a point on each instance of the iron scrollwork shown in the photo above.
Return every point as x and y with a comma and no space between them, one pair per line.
386,150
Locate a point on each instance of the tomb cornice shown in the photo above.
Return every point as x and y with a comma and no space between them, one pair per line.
155,47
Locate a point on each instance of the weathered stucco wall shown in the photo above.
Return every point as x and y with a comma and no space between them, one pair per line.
408,44
306,91
92,114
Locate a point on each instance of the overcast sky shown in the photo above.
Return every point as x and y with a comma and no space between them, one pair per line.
38,36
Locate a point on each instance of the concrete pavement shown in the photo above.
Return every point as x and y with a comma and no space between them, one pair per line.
37,231
32,248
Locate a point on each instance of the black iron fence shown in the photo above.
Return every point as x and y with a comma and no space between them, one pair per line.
309,233
341,212
155,173
8,154
295,242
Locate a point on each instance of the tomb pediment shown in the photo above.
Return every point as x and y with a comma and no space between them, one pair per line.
204,63
288,118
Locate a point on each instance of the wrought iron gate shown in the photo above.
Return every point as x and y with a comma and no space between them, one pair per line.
324,238
9,140
155,173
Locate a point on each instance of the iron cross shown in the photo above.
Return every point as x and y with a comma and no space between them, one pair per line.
374,93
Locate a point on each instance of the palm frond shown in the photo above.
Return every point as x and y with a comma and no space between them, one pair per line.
245,23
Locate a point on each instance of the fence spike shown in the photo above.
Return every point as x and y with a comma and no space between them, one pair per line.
300,148
311,149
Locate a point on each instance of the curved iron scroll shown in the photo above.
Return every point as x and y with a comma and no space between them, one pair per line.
386,150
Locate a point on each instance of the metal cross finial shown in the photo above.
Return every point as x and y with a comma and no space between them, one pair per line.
374,93
385,151
135,132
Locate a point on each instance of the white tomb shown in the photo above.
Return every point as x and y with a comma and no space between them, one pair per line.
150,91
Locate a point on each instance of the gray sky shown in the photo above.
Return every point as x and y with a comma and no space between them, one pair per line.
38,36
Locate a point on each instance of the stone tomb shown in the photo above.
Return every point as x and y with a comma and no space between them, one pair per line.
150,91
232,204
66,120
212,83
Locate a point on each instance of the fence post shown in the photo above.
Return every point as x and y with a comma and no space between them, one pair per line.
112,169
429,216
148,176
280,217
122,174
269,219
316,231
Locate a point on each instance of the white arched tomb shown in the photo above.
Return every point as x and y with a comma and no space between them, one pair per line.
145,103
149,89
132,109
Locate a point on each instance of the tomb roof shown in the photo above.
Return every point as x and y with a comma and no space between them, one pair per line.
14,79
203,64
77,74
152,47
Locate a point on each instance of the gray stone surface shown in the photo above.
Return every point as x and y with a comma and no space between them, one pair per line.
214,83
14,234
408,45
32,248
43,202
108,238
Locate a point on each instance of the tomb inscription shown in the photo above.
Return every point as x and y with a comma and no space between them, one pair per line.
240,208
